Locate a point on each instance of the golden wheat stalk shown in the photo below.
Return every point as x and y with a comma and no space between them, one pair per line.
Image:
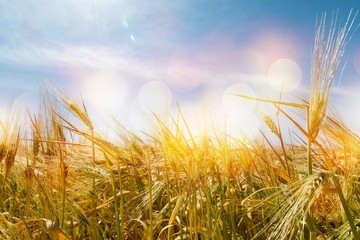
3,151
328,51
271,124
10,157
80,112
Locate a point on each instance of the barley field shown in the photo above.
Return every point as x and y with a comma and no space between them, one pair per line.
61,179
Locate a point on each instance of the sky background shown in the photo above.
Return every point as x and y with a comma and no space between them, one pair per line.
131,58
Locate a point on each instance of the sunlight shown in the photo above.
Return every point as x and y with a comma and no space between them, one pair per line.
105,91
232,104
2,114
137,121
244,123
239,116
284,72
185,78
155,96
346,102
356,61
252,60
193,115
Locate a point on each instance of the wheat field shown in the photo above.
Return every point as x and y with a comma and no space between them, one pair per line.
61,179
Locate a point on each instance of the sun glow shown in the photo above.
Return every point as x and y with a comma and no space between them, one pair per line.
232,104
239,117
284,74
2,114
243,124
184,77
193,118
357,60
105,91
155,96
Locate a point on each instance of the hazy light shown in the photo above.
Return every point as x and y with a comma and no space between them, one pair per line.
347,105
242,124
284,72
3,114
251,60
275,42
238,117
185,78
155,96
357,60
138,121
125,24
105,91
233,104
193,115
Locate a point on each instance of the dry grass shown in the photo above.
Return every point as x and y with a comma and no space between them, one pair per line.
68,182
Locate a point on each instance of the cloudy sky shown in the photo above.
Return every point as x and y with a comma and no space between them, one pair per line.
131,58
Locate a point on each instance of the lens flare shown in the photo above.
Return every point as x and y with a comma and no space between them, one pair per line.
244,123
284,74
232,104
105,91
251,61
193,114
155,96
185,78
356,61
2,114
239,117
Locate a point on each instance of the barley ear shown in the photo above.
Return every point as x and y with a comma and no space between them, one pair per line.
10,157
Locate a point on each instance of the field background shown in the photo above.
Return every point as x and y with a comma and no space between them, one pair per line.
276,163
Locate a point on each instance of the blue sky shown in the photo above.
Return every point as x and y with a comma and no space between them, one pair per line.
129,57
